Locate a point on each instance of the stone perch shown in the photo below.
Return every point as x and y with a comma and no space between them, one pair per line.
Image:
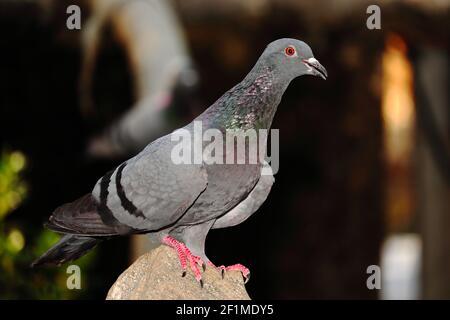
156,275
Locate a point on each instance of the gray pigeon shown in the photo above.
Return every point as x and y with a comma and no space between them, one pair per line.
177,204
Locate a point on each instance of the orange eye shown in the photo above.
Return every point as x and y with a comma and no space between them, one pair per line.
289,51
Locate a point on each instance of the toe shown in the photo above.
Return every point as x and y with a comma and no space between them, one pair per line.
239,267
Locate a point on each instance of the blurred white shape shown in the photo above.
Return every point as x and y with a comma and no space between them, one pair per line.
400,267
159,60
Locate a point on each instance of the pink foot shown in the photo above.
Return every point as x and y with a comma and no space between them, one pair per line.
235,267
185,255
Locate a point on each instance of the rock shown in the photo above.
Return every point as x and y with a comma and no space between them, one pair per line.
156,275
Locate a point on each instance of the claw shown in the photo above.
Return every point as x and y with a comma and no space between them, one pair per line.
185,255
222,271
239,267
246,279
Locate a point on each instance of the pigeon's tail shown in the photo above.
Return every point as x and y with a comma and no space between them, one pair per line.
69,248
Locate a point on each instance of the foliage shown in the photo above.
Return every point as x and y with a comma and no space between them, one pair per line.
17,250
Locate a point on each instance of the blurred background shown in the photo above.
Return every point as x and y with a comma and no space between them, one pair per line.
364,156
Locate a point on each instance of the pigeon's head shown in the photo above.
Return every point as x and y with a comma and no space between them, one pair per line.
293,58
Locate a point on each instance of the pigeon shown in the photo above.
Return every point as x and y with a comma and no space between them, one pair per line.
177,204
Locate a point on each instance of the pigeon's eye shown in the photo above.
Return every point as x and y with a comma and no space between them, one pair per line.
289,51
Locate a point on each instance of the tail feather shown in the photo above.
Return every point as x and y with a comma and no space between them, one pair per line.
84,216
69,248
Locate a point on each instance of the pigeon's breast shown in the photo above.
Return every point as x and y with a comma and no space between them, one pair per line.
228,185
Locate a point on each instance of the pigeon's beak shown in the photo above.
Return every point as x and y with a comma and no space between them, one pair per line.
315,68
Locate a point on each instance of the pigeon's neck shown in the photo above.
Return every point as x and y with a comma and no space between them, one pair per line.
251,104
